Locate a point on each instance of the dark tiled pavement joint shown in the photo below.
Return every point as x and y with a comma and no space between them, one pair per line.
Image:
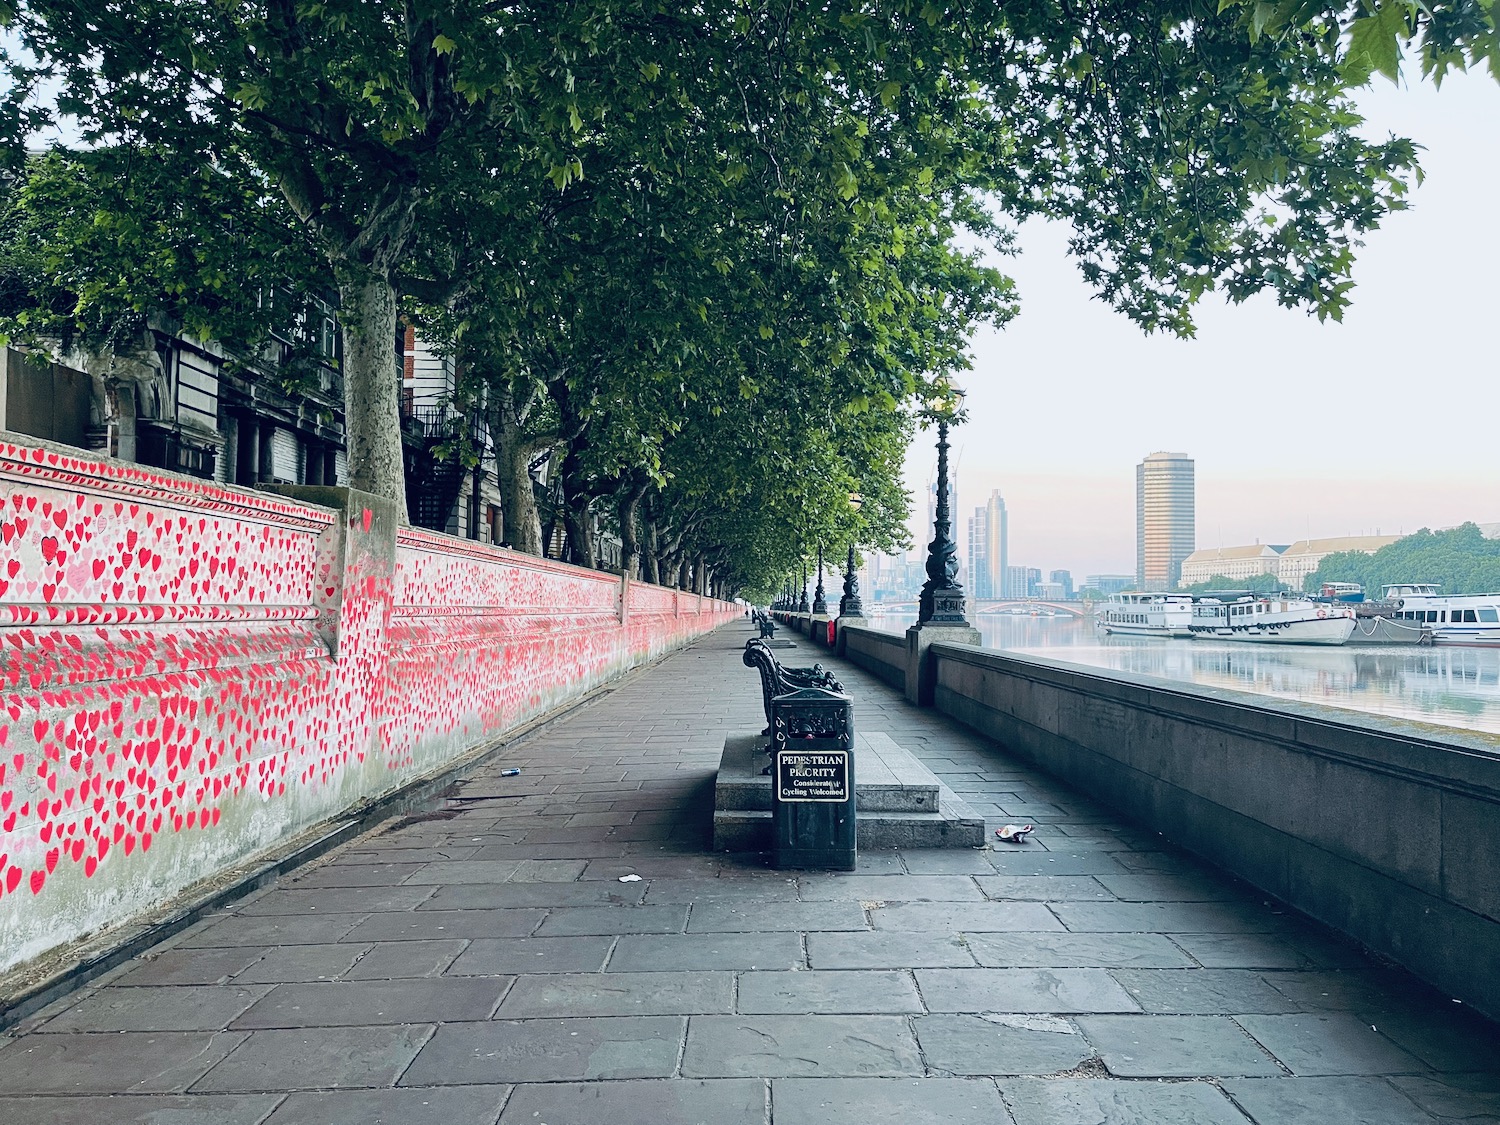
485,963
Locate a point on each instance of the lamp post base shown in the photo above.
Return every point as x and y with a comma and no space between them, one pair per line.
943,607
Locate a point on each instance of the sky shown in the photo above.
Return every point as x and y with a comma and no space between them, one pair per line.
1386,422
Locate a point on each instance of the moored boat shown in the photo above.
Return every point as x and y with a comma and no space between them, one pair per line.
1146,615
1351,592
1453,619
1271,620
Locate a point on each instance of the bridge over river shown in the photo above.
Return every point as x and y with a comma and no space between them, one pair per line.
1019,606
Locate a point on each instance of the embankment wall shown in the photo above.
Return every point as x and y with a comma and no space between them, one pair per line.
1388,831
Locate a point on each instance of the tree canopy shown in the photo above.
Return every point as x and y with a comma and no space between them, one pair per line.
1460,559
712,256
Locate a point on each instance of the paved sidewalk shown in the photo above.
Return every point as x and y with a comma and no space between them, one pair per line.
486,963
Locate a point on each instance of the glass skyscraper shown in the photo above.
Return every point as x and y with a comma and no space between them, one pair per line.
997,554
1165,519
979,550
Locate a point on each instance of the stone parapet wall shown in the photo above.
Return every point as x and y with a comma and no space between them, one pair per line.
879,653
191,674
1388,831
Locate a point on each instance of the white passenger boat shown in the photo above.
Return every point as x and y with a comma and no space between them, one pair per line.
1454,619
1146,615
1272,620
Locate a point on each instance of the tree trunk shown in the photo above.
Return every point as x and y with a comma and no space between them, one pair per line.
630,543
580,531
372,409
576,517
523,528
652,558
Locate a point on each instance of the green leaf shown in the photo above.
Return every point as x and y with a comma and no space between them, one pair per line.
1375,41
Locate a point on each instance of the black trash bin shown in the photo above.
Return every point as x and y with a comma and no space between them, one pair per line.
812,780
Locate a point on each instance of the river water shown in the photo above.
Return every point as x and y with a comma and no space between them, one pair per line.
1447,685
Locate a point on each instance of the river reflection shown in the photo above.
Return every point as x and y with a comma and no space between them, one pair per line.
1451,686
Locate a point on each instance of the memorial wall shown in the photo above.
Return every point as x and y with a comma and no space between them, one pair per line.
191,674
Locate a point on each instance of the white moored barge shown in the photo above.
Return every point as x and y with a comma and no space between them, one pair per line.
1146,615
1454,619
1271,620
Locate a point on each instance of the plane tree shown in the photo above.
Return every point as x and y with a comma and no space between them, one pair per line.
90,263
1194,146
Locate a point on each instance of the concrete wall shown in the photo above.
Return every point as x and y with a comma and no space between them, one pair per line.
881,654
191,673
1386,830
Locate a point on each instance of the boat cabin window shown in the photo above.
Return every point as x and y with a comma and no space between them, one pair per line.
1489,615
1432,615
1469,618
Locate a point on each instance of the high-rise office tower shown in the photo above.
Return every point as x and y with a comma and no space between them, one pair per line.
1064,579
997,553
979,548
1165,521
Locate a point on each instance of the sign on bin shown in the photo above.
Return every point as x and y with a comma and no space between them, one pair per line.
808,775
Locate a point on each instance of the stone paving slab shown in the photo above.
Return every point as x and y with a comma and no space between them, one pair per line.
395,959
157,1009
619,994
1076,951
1022,990
550,1050
134,1062
787,1046
723,1101
890,950
317,1058
481,961
885,1101
1175,1046
1369,1101
143,1109
436,1106
484,957
1083,1102
374,1002
1001,1044
875,992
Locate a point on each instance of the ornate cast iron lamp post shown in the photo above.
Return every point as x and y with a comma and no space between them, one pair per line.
942,599
849,604
802,602
820,600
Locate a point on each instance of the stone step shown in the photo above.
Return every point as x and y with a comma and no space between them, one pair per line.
899,802
887,778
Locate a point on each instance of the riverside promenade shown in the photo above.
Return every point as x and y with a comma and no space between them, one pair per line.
483,962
